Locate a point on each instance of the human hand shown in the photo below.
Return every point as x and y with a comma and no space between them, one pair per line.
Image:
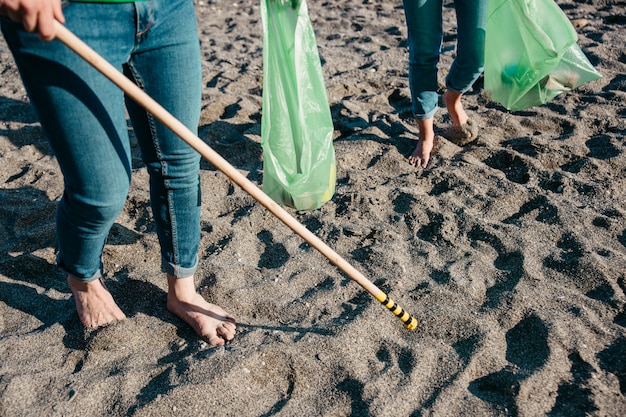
35,15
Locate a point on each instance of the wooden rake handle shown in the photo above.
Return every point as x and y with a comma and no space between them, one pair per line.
138,95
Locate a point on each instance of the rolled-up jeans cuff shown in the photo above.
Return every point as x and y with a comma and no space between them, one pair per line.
458,90
429,115
178,271
79,276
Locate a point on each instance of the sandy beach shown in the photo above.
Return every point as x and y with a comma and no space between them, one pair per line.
510,251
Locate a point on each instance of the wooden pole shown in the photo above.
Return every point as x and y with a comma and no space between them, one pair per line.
139,96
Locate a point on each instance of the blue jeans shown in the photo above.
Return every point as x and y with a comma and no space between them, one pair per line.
156,44
425,36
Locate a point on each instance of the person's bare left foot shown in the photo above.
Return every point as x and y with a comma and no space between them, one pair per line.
452,101
209,321
463,131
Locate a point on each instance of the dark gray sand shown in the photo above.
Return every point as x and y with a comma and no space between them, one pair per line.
510,251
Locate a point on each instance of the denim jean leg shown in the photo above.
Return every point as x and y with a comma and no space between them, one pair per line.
425,35
469,61
83,116
166,63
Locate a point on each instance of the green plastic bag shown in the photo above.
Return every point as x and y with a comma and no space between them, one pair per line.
531,53
296,125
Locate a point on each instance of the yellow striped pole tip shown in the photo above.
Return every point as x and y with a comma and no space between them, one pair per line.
409,321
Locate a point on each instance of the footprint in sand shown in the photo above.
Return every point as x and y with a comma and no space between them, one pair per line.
527,352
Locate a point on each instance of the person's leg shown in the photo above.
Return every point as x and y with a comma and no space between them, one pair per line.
83,116
425,34
166,63
469,62
454,105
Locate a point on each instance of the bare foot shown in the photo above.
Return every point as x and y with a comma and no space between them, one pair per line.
209,321
94,303
452,100
421,153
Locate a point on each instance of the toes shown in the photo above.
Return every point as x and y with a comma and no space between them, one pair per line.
414,160
220,336
229,326
214,339
227,331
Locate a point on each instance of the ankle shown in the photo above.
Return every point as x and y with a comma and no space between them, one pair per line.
83,286
452,101
426,129
180,289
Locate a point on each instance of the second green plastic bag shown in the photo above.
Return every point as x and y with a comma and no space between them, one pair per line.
296,124
531,53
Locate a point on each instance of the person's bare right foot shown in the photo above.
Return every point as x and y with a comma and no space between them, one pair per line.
94,303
